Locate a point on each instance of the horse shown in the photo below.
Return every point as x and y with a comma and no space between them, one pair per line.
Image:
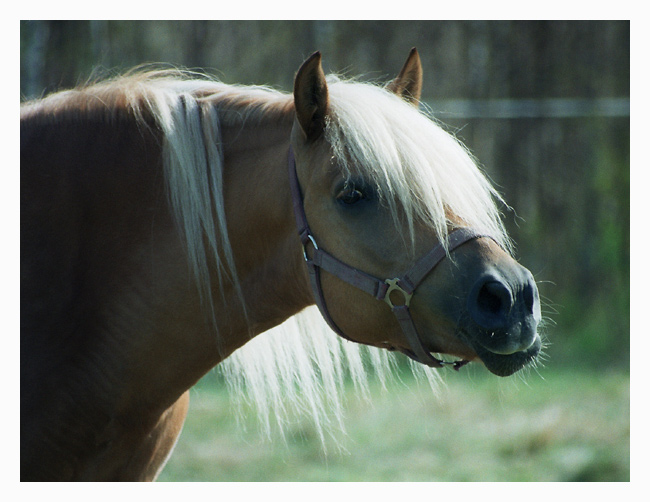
167,219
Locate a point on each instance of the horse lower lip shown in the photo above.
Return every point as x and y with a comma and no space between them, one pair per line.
506,365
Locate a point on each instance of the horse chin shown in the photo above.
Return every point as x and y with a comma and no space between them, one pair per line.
507,364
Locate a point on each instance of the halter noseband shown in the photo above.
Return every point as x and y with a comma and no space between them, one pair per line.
380,289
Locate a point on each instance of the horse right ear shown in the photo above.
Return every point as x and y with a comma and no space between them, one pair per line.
311,97
408,84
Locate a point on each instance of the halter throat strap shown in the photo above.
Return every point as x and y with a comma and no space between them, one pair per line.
384,290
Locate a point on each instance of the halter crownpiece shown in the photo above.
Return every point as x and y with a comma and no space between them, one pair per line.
390,291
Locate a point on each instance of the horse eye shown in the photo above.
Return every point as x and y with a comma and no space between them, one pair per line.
350,195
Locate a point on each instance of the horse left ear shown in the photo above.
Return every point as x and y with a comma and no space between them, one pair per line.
408,84
311,97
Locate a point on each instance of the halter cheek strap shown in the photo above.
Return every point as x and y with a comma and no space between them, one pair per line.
384,290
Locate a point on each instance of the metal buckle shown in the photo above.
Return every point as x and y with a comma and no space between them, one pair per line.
304,246
393,286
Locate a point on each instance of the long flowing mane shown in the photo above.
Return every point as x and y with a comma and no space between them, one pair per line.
421,170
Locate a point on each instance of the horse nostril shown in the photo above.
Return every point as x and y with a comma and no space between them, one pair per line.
529,299
494,298
491,303
530,296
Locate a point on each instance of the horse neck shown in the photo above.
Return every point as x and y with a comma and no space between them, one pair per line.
141,336
262,232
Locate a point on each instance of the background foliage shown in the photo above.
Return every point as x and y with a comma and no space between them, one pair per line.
530,99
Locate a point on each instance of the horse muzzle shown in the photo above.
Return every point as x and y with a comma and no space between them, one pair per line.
503,316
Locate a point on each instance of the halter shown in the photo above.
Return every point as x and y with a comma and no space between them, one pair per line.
383,290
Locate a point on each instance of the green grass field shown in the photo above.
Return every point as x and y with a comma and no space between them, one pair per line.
561,426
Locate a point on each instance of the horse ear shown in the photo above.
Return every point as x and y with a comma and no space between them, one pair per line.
408,84
311,97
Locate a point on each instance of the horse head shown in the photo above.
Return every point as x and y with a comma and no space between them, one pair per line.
390,205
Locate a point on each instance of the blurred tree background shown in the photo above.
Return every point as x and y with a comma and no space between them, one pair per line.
544,106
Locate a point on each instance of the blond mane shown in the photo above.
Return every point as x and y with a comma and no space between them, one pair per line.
417,165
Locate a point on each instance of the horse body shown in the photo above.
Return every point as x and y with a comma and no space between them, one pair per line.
104,304
118,228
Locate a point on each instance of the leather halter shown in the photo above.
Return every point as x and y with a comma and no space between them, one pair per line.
380,289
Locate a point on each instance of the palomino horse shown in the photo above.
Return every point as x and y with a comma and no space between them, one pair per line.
160,232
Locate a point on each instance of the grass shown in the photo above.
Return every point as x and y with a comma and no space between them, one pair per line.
566,426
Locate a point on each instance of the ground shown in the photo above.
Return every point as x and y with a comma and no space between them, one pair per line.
548,426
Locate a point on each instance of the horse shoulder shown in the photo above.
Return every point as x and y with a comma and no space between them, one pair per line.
150,456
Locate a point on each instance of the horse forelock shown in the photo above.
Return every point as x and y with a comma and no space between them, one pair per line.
415,163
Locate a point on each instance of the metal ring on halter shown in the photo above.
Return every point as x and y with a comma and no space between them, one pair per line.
304,246
394,286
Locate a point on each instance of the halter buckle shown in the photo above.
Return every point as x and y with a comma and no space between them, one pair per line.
393,286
